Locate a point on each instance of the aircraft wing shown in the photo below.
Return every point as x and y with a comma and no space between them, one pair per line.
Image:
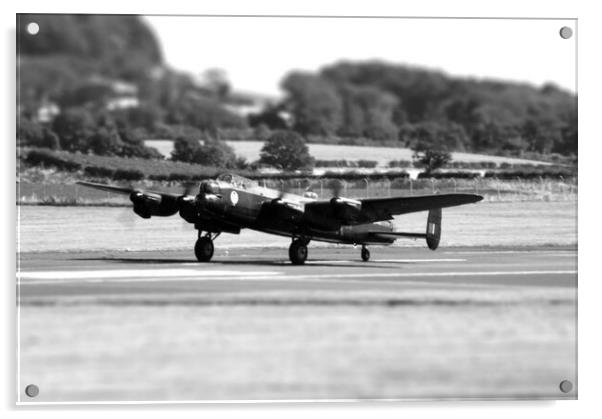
121,190
350,212
146,203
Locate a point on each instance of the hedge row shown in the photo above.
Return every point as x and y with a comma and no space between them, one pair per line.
369,164
118,168
132,169
547,173
533,173
449,175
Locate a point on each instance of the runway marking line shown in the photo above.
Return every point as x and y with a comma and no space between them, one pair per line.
419,260
136,273
512,252
56,277
319,261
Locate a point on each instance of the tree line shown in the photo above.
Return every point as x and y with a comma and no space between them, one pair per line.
414,107
76,66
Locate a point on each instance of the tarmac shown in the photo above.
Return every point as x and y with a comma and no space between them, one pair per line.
460,322
51,277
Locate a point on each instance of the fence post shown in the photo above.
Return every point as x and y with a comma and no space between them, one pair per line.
367,184
497,184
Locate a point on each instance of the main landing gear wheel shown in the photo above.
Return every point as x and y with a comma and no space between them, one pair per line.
365,254
297,252
203,249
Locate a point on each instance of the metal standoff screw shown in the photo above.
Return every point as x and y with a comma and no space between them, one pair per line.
566,32
33,28
566,386
32,390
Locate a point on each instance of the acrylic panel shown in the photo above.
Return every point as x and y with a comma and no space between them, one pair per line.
300,208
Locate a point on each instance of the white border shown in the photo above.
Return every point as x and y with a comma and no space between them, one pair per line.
590,33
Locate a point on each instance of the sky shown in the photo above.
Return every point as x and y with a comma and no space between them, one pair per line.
256,53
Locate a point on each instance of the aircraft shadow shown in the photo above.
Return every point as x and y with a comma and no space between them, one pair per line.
167,261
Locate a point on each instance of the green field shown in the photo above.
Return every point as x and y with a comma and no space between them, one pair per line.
383,155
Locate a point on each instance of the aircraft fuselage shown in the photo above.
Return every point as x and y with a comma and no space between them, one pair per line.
255,208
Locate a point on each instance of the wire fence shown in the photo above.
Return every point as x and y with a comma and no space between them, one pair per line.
491,188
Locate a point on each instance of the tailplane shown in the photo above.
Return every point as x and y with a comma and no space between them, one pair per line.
432,235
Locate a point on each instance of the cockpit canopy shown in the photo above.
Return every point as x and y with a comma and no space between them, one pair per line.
237,181
209,186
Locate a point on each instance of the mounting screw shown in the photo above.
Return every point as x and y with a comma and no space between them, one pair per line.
33,28
566,32
32,390
566,386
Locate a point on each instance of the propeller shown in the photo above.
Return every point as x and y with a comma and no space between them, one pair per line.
125,216
336,186
284,189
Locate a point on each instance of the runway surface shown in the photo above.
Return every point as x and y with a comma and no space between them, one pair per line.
166,276
411,323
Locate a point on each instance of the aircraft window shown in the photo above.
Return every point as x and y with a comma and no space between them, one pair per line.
237,181
226,177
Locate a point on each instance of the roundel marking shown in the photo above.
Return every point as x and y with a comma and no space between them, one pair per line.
234,197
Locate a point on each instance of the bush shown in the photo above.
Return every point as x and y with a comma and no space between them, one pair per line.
286,150
99,171
430,160
369,164
185,149
400,163
73,127
216,154
128,174
533,173
336,163
176,177
49,159
29,133
105,142
449,175
400,182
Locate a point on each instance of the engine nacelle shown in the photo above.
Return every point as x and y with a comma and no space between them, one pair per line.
149,204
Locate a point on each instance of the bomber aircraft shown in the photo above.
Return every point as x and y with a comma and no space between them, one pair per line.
230,203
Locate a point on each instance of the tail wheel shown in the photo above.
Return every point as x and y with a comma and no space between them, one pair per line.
365,254
297,252
203,249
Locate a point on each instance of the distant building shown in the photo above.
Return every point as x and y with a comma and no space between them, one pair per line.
122,103
124,95
47,112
